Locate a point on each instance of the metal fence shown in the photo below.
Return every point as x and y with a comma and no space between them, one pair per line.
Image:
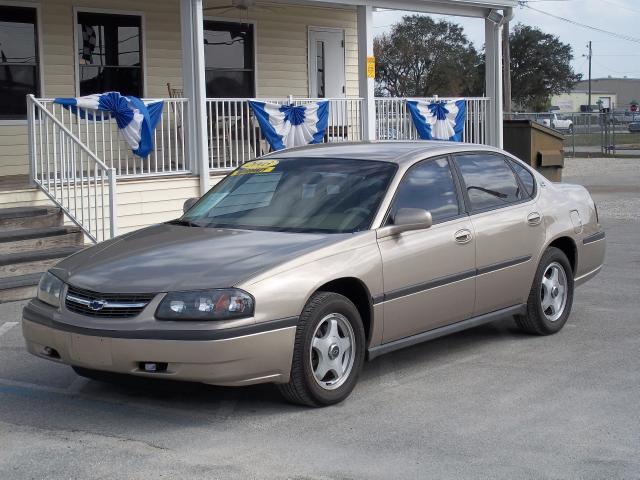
393,120
71,174
99,134
235,137
592,133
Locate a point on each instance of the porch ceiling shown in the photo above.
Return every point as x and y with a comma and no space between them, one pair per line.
465,8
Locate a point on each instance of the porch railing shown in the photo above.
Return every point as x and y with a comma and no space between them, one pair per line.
235,137
71,174
393,120
100,135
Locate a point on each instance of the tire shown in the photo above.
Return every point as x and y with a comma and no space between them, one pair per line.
319,347
570,129
548,309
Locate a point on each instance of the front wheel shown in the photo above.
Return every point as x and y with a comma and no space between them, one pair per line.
328,353
551,296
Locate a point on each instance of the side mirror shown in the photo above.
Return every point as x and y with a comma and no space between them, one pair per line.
188,204
406,220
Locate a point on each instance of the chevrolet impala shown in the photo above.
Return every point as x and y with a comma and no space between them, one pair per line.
298,266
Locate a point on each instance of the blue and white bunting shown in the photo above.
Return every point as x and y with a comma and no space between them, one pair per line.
136,120
287,126
438,120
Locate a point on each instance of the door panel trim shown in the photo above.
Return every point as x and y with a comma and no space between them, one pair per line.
500,265
421,287
446,330
596,237
442,281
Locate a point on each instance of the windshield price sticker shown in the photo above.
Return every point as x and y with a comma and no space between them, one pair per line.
257,166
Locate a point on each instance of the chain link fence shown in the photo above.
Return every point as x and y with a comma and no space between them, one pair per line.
589,134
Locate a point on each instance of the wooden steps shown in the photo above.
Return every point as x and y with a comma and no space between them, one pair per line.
32,240
29,217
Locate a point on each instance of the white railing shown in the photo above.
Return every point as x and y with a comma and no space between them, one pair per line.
71,174
393,120
234,135
100,135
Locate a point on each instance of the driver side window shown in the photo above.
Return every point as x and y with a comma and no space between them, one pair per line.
429,185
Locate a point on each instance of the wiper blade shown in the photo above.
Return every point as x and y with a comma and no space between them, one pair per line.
185,223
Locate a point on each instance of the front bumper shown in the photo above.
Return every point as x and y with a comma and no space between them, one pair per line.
243,355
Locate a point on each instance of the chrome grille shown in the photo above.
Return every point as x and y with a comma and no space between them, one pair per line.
112,305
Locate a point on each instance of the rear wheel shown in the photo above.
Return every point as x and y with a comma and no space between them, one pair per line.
551,296
328,353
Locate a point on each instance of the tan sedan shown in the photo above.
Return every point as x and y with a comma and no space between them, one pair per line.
298,266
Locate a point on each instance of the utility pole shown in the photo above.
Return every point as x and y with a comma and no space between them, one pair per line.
589,56
506,70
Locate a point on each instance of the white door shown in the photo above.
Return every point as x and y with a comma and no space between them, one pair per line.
326,63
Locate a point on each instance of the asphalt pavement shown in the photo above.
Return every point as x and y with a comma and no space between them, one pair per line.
486,403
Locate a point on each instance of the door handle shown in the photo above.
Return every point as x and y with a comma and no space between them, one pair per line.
534,218
463,236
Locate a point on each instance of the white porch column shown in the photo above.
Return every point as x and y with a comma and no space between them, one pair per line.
367,85
493,79
191,18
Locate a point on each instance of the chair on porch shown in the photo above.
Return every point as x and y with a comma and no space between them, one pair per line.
175,92
236,135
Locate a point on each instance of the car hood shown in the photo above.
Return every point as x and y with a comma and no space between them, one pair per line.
173,257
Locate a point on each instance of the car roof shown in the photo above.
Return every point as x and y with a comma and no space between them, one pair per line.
393,151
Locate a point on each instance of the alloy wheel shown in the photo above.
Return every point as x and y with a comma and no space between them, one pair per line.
332,351
553,291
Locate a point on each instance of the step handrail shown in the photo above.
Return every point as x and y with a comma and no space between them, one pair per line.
81,197
61,125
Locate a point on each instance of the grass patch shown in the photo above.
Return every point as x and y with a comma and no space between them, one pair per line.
595,140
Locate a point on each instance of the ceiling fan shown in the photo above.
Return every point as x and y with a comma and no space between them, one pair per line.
240,5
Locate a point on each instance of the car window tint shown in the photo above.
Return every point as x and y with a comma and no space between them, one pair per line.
489,181
525,176
328,195
429,185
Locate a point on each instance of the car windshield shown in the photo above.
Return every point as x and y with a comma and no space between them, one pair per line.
296,195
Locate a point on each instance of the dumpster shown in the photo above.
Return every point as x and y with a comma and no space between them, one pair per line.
541,147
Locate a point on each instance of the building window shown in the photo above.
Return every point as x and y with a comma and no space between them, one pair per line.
19,71
110,53
320,60
229,59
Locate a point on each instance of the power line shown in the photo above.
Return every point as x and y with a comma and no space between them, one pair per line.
606,32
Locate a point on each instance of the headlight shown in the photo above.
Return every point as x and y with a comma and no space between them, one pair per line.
205,305
50,289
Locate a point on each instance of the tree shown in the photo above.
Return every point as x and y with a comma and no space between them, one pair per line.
540,68
421,57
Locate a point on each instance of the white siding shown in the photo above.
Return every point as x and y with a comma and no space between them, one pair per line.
140,202
281,54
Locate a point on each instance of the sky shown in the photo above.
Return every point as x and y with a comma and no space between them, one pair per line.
611,56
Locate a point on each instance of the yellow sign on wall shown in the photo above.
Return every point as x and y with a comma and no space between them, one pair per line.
371,67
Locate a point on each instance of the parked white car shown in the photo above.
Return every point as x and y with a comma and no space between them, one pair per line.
553,121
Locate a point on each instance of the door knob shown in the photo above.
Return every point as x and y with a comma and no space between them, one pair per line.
463,236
